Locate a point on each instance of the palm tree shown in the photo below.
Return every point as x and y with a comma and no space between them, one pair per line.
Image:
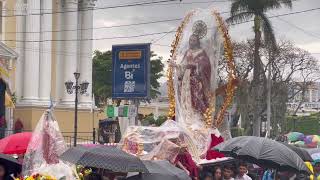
243,11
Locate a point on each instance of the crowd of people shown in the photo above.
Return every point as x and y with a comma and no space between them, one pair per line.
227,172
242,171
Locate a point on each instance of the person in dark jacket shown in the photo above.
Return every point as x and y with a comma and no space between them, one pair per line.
4,175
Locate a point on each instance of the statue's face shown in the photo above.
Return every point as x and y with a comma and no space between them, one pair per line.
194,41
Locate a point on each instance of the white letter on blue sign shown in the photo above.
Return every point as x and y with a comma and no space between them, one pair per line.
128,75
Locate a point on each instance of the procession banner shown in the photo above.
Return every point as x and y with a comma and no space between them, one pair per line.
131,70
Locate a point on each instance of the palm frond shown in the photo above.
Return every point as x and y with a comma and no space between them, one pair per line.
239,6
270,5
267,29
240,17
276,4
287,3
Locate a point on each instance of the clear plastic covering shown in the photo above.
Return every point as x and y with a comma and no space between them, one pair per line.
195,71
200,49
45,147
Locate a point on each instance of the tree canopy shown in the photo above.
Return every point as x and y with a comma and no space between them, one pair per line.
102,75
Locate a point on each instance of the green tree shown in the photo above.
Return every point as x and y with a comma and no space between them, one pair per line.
102,75
242,11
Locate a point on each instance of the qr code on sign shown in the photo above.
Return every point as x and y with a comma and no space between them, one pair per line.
129,86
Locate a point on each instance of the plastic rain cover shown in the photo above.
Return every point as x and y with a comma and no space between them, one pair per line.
45,147
195,70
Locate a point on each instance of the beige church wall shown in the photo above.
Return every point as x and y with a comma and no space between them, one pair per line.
145,110
9,24
65,117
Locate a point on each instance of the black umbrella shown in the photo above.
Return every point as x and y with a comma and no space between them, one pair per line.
263,152
314,153
104,157
160,170
302,153
11,164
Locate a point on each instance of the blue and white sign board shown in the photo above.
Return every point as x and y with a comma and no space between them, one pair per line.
131,71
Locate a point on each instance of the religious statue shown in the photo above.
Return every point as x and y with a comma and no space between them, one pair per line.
194,80
199,45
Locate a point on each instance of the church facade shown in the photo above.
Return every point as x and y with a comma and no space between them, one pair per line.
53,39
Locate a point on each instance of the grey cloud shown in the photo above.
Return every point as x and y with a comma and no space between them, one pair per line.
308,21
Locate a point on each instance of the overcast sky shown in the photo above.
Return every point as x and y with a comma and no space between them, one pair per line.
303,29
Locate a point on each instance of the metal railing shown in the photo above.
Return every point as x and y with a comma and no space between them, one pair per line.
82,138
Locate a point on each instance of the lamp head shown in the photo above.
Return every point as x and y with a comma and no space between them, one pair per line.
69,87
84,87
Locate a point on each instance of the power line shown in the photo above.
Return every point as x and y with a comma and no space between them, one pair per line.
50,51
125,5
104,27
95,39
299,28
280,15
195,2
156,40
156,33
273,16
92,9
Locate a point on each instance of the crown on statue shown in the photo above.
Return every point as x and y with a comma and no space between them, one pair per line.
199,29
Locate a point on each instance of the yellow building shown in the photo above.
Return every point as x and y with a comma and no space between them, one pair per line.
52,40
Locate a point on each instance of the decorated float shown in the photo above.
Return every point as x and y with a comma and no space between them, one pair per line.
41,160
201,42
194,122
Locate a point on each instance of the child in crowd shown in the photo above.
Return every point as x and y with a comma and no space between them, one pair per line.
217,173
243,170
208,176
227,173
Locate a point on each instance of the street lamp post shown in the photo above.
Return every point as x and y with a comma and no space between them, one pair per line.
83,89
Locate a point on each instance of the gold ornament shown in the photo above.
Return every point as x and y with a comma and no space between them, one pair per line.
170,73
231,66
208,115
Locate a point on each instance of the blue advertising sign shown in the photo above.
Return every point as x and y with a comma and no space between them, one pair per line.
131,71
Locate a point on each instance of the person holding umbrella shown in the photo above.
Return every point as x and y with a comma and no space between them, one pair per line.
8,166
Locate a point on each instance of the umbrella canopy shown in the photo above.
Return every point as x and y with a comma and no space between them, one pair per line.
16,143
104,157
10,163
314,153
302,153
263,152
159,170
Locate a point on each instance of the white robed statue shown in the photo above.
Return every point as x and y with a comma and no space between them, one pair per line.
194,76
198,49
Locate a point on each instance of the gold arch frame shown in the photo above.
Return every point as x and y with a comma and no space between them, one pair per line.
228,53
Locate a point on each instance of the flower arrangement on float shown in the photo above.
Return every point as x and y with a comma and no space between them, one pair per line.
38,177
82,172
